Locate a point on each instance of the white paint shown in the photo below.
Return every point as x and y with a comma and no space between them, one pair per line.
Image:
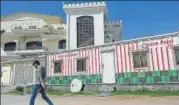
25,36
98,30
25,23
98,12
108,67
53,43
3,53
176,41
6,75
76,85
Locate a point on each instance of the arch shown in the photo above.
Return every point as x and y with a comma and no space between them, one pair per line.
62,44
10,46
85,31
34,45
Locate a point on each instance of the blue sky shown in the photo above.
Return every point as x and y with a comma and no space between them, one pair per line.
140,18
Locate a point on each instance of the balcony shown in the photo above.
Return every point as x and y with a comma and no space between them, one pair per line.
30,32
9,55
31,50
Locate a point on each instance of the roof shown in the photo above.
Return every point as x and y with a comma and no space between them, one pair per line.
48,18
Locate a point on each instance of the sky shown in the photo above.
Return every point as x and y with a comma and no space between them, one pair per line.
140,18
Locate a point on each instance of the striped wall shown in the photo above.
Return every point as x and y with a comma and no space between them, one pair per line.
161,57
69,62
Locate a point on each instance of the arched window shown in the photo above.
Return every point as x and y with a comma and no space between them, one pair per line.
85,31
34,45
10,46
62,44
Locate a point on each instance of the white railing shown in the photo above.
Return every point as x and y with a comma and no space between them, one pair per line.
33,48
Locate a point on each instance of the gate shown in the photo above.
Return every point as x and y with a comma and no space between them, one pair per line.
23,71
23,74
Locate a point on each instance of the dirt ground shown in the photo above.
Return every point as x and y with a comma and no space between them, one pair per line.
92,100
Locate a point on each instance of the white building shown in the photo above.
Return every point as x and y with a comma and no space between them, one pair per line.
87,25
26,34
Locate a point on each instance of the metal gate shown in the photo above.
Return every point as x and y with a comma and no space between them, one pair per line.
23,74
23,71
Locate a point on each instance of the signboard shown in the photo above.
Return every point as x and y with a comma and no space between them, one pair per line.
159,43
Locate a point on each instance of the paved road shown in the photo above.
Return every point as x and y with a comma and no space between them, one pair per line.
92,100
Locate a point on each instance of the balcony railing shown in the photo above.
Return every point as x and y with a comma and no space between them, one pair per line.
34,48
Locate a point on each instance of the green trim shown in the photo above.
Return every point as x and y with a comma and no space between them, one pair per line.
132,78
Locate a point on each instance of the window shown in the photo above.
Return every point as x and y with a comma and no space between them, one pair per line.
177,55
34,45
85,31
81,64
18,27
58,66
10,46
3,31
140,59
32,27
62,44
105,26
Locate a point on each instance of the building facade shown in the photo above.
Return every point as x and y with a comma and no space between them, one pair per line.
26,35
138,62
88,25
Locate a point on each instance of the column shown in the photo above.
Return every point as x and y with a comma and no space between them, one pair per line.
44,44
17,44
68,32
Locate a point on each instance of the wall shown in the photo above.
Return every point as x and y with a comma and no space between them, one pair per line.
98,28
24,71
113,31
24,22
22,41
161,64
6,75
56,26
52,45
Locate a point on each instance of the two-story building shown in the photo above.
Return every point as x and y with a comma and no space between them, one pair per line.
24,35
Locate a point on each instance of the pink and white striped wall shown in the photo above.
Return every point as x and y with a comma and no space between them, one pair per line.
160,53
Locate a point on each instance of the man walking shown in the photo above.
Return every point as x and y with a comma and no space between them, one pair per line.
39,86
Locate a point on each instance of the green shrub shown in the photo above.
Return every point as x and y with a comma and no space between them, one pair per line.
20,88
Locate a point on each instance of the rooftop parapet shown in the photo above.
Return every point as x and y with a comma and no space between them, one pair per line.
114,22
83,5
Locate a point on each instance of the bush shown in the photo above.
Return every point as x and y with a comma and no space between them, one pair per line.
20,88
